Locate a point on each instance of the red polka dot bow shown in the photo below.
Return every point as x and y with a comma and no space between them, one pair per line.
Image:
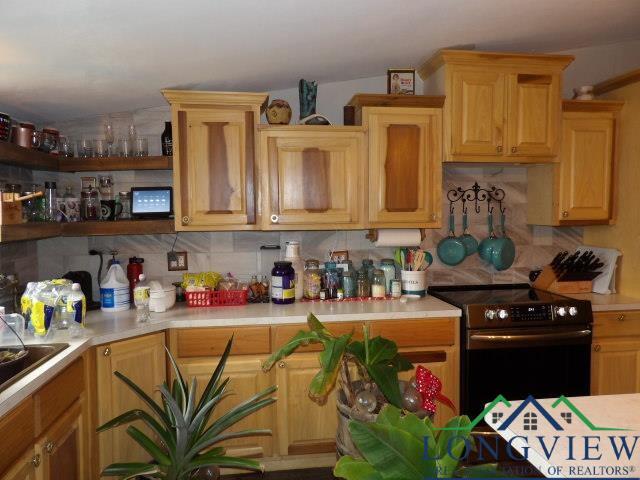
430,388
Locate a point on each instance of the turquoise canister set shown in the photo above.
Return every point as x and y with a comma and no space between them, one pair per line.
499,251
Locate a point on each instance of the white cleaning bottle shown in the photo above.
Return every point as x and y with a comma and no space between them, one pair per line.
292,254
114,290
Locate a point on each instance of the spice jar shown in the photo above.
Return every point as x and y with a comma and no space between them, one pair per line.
362,284
388,266
349,284
312,280
377,286
283,287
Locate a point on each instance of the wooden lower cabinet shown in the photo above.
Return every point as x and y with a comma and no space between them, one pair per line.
62,448
247,379
24,468
142,359
615,366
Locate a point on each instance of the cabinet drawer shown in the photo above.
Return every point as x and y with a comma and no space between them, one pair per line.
16,433
207,342
616,324
416,333
58,395
282,334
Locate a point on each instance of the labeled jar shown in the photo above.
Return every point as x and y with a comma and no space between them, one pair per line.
377,285
388,266
312,281
283,285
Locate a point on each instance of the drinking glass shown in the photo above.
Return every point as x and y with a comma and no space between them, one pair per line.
66,147
100,147
125,147
85,148
109,136
142,147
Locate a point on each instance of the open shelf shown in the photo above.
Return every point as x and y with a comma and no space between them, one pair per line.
12,154
95,164
39,230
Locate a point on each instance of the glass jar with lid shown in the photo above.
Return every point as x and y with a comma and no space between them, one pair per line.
377,285
363,288
312,280
349,284
367,265
331,281
388,266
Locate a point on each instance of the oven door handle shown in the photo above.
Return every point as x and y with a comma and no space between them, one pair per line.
531,336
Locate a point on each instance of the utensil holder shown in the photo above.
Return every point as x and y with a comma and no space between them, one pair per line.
414,282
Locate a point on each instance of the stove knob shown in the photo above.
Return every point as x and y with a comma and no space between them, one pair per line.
561,311
573,311
489,315
503,314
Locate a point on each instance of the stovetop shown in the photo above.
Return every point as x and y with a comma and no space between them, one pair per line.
513,306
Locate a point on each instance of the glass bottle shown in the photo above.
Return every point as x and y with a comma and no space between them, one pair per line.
141,295
363,289
90,199
332,281
167,140
377,286
50,205
312,282
367,266
106,187
349,284
388,266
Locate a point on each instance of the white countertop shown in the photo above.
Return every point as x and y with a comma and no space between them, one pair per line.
608,303
110,327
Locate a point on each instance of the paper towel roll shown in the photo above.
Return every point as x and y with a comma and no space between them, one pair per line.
402,237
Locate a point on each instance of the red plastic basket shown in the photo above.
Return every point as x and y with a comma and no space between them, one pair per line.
216,298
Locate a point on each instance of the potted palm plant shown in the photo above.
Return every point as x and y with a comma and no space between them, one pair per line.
186,443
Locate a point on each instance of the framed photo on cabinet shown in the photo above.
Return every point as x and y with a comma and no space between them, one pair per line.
401,81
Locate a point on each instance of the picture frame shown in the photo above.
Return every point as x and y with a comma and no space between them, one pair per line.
401,81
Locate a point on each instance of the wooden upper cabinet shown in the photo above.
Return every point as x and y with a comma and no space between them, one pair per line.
312,177
215,159
500,107
533,113
477,112
405,166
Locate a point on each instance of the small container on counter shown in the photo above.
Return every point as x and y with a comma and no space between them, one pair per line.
283,289
324,294
388,266
377,286
312,280
332,281
349,284
396,288
363,288
367,266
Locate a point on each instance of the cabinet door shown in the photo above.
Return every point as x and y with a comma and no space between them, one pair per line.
214,171
142,359
304,427
62,448
477,110
615,367
405,166
443,364
313,177
25,467
247,379
586,166
533,115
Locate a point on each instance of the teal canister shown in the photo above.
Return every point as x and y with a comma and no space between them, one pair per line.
388,266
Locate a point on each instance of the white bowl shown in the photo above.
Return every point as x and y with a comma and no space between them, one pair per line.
163,299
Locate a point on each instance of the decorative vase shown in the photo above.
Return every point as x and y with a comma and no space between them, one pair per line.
279,112
307,91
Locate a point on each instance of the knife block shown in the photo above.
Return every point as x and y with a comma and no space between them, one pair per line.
548,281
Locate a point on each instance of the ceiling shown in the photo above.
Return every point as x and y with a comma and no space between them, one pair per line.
81,57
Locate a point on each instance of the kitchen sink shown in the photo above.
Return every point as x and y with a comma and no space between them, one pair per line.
38,354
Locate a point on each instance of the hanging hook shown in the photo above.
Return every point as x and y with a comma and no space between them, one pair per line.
489,206
464,206
502,209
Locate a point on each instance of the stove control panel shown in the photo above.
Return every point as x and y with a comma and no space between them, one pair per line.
534,313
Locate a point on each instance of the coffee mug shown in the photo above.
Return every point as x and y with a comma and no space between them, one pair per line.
109,209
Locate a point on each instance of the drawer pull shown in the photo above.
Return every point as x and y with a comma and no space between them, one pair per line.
565,214
48,447
621,317
35,461
514,149
107,352
499,149
186,220
282,364
274,219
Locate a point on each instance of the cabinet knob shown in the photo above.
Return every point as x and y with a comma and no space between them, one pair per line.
621,317
107,351
36,460
565,214
596,348
281,364
514,149
499,149
186,220
434,217
275,218
48,447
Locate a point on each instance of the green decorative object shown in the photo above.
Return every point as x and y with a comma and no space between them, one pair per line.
308,91
185,445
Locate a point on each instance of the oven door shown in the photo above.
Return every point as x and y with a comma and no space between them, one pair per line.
545,363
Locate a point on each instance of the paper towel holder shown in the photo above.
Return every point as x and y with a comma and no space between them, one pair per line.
372,235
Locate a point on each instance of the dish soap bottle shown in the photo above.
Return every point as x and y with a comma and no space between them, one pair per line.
141,295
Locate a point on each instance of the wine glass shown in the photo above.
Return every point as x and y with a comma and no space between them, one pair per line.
109,136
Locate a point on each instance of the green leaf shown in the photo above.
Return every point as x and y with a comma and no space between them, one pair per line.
395,453
152,449
191,403
137,414
401,364
316,326
352,469
129,470
299,339
386,377
409,422
212,386
451,444
486,470
181,382
224,461
144,397
330,358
